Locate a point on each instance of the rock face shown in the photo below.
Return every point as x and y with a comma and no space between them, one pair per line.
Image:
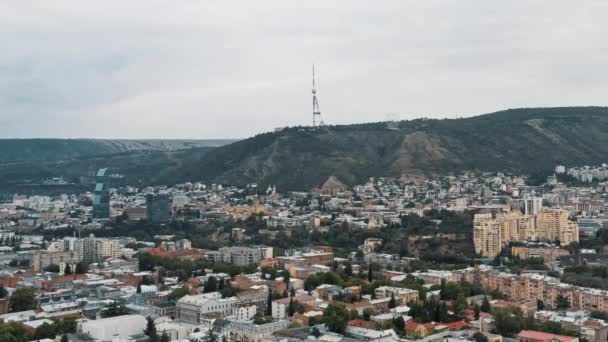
333,186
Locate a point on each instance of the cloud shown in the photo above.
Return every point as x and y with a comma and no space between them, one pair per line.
214,69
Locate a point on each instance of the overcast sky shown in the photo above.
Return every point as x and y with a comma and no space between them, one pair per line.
231,69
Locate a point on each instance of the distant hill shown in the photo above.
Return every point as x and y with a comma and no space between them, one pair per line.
527,141
15,150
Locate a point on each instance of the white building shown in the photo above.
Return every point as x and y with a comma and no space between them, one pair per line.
190,308
106,328
245,312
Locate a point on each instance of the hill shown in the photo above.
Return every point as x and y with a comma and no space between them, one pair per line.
16,150
527,141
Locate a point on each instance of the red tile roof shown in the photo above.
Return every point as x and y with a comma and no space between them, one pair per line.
543,336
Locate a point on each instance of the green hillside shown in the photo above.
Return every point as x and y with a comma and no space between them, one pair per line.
528,141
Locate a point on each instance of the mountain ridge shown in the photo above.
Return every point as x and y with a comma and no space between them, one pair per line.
524,140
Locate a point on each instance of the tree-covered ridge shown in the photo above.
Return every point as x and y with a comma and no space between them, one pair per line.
528,141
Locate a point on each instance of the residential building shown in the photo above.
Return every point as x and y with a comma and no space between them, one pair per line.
190,309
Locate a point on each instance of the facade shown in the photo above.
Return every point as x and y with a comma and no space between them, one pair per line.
492,233
241,255
402,295
190,309
41,260
96,249
245,312
549,254
533,205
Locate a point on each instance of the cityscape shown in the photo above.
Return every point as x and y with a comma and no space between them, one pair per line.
319,171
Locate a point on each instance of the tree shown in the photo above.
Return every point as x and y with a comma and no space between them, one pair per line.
370,274
392,303
460,305
562,302
138,288
399,325
116,308
211,337
540,305
178,293
479,337
477,310
269,303
52,268
485,305
292,292
150,330
164,337
315,332
44,331
67,270
335,317
210,285
3,292
65,338
82,268
23,299
291,308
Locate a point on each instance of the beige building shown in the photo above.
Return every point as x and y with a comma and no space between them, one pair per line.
492,233
96,249
41,260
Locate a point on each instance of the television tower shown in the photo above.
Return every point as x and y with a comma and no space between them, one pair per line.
317,121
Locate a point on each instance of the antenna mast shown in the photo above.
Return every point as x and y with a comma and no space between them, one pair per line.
317,121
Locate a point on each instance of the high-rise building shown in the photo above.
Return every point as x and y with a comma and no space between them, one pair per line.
96,249
533,205
492,233
553,225
159,207
101,199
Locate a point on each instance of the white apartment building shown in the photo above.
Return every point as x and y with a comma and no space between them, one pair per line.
191,308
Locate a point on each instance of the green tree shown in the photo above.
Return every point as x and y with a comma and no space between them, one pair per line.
210,285
399,325
22,299
164,337
392,303
479,337
65,338
211,337
335,317
370,273
485,305
3,292
477,310
150,330
82,268
52,268
67,270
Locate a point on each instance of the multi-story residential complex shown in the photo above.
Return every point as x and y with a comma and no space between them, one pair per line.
240,255
491,233
553,225
40,260
402,295
548,253
96,249
190,309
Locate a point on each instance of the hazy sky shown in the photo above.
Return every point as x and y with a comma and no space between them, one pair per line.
220,69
